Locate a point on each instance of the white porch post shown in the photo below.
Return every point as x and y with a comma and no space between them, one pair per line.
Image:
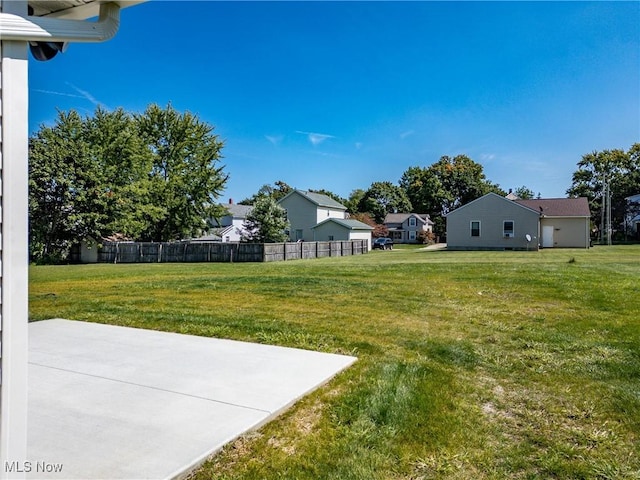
13,248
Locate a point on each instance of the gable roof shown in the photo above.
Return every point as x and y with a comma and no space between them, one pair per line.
510,202
318,199
401,217
237,210
558,207
347,223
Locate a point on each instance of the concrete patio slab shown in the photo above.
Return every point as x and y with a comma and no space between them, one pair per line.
109,402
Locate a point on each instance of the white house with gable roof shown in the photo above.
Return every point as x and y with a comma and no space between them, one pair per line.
306,209
318,217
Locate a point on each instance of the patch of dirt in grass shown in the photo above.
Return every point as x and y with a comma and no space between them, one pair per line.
232,455
300,424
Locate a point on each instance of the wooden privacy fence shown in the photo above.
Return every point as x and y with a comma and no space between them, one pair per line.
143,252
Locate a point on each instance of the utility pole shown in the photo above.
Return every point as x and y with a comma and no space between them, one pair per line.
603,210
609,229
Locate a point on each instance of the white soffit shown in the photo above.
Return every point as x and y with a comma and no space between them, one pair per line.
74,9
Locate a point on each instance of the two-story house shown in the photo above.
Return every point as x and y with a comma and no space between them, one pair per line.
318,217
406,227
306,209
230,227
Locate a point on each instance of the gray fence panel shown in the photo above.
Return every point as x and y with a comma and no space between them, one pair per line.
146,252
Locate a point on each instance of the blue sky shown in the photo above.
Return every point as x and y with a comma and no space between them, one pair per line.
338,95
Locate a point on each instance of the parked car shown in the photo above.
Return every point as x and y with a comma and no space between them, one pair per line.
383,243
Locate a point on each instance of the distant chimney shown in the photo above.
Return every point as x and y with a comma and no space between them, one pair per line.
231,201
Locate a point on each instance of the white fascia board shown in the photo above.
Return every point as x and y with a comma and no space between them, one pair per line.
15,27
89,10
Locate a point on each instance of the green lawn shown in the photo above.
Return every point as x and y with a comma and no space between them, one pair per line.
484,365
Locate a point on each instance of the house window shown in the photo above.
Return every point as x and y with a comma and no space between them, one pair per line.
475,228
331,238
412,221
508,228
412,235
298,235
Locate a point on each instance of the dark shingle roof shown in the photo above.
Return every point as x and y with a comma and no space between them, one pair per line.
558,207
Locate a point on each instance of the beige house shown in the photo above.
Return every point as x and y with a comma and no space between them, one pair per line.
406,227
564,222
332,229
493,222
305,210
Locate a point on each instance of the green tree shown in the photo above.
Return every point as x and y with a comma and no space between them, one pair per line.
382,198
330,194
124,164
446,185
87,178
266,223
424,190
186,178
620,170
524,193
276,191
463,181
63,184
152,176
353,202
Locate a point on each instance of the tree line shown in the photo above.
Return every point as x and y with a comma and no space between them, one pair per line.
434,190
157,176
454,181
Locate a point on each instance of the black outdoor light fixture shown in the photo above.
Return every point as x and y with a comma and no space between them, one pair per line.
44,51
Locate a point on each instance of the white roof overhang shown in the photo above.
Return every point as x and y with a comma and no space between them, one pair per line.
74,9
64,21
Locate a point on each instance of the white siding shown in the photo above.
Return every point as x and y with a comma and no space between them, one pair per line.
325,232
14,260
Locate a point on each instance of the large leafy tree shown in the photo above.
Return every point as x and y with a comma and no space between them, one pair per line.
617,168
382,198
152,176
266,223
124,164
65,195
424,189
463,180
186,175
446,185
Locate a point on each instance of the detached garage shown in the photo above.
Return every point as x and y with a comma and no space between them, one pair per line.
342,229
